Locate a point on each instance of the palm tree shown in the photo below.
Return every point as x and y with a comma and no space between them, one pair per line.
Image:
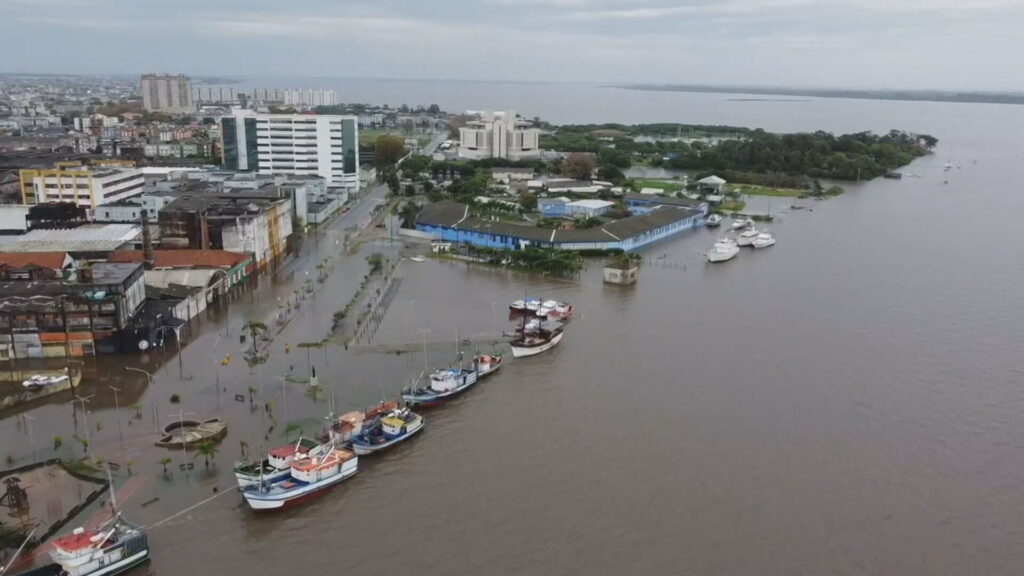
164,462
207,450
57,443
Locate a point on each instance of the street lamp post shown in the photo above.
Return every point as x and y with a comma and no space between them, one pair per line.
85,416
31,438
117,413
149,383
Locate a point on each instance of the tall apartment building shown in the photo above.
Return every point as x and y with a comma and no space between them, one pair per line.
86,186
167,93
309,98
299,144
499,135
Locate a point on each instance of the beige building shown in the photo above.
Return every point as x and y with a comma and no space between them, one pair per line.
167,93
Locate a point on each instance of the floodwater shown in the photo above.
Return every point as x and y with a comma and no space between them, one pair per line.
847,401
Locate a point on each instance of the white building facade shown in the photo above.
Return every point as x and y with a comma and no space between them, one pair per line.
296,144
86,187
499,135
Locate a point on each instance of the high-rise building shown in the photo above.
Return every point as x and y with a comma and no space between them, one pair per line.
167,93
499,135
300,144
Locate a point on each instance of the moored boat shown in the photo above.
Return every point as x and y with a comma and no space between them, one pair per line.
112,548
746,237
533,342
387,430
713,221
308,477
441,385
277,464
763,240
40,381
724,249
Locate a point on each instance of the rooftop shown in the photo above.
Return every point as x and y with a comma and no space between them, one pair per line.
88,238
444,213
592,204
183,258
664,200
104,274
50,260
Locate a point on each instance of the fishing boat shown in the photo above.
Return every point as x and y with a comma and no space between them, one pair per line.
518,306
40,381
191,432
763,240
441,385
387,430
277,464
554,310
114,547
533,342
713,221
308,477
724,249
738,223
746,237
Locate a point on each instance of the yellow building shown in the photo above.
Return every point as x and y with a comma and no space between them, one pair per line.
86,186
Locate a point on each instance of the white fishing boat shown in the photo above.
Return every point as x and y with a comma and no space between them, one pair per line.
112,548
763,240
277,464
40,381
417,259
746,238
724,249
738,223
309,477
533,342
713,221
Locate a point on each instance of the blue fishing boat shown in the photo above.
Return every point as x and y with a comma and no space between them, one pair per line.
387,430
446,383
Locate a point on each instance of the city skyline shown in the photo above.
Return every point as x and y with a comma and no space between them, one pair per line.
866,44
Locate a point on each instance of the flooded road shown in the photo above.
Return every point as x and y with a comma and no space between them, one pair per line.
847,401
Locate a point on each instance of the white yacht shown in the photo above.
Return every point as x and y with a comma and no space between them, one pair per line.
714,221
738,222
746,238
763,240
724,249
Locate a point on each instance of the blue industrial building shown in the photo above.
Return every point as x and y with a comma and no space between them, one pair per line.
451,222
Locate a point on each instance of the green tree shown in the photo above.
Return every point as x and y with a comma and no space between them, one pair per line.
387,150
57,443
208,450
579,166
165,461
611,173
410,190
528,200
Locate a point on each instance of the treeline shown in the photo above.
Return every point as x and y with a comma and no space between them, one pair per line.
818,155
814,154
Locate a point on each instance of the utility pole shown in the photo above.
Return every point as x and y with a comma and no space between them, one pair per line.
117,412
85,416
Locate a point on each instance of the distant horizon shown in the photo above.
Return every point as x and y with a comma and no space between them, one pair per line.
608,83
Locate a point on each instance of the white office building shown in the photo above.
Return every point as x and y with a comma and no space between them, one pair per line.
297,144
167,93
499,135
310,98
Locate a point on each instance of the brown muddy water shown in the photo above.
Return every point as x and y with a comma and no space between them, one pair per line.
847,401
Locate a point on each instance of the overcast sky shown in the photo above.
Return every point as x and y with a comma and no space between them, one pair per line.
956,44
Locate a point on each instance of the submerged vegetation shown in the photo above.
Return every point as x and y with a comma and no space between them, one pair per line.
543,260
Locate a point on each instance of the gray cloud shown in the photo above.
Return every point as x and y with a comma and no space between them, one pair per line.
962,44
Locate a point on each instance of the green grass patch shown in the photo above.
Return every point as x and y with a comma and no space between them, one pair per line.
668,185
755,190
730,206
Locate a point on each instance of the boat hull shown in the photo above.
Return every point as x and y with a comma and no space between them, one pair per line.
525,351
764,244
433,399
260,501
722,256
363,449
